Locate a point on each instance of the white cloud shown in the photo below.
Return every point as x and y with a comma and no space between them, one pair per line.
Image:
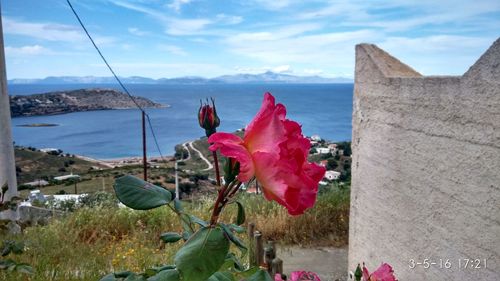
281,33
437,54
258,70
324,48
45,31
358,13
228,19
29,50
312,71
274,4
173,26
177,4
161,70
174,50
186,26
50,31
137,32
282,69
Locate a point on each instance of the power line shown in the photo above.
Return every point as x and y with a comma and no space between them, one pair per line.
116,77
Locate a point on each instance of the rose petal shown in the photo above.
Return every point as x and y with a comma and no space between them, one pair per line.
384,273
232,146
266,131
267,172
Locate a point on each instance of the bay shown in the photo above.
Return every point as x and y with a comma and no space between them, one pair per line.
322,109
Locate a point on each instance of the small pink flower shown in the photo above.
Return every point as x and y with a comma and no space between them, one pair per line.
304,276
274,150
383,273
299,276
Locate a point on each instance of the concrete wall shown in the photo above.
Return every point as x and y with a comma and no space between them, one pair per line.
426,167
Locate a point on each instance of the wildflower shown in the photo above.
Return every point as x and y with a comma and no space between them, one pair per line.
383,273
207,118
274,150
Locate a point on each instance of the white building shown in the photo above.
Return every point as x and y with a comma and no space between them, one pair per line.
37,183
36,195
315,138
66,177
332,147
322,150
48,150
332,175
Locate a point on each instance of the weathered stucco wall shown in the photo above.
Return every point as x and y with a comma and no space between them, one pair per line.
426,167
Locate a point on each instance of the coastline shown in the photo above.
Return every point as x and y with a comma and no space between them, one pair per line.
122,161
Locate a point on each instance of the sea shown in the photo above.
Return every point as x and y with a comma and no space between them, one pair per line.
321,109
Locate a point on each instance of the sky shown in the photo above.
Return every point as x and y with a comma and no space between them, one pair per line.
209,38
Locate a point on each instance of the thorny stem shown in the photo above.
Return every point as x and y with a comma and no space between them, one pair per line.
233,192
222,199
216,164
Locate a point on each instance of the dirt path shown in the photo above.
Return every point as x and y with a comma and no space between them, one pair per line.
210,166
328,262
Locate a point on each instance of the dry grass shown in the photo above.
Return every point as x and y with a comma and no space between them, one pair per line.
91,242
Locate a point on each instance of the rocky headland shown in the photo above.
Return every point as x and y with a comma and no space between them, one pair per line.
73,101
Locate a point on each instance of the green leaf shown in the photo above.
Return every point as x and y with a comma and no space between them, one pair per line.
240,219
198,221
123,274
17,247
203,254
135,277
166,275
234,239
232,262
5,264
186,235
260,275
156,269
222,276
186,223
178,205
6,248
140,195
236,228
109,277
24,268
170,237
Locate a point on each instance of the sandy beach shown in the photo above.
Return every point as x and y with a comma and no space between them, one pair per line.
124,161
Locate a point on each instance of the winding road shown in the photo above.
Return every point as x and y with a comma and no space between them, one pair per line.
185,145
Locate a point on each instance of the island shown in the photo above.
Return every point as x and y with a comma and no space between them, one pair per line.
35,125
73,101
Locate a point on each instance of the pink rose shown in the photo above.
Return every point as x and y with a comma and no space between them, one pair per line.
383,273
299,276
274,150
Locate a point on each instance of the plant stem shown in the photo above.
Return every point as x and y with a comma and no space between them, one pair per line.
216,164
233,192
219,203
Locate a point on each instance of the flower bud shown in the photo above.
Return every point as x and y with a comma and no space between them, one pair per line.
231,169
358,274
207,118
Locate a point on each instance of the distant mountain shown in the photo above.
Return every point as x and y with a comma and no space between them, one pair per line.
267,77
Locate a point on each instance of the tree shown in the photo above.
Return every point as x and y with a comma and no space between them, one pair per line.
331,164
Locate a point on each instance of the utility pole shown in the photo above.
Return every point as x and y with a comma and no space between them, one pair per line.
144,156
177,195
7,159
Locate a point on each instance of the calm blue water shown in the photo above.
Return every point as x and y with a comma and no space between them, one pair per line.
321,109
